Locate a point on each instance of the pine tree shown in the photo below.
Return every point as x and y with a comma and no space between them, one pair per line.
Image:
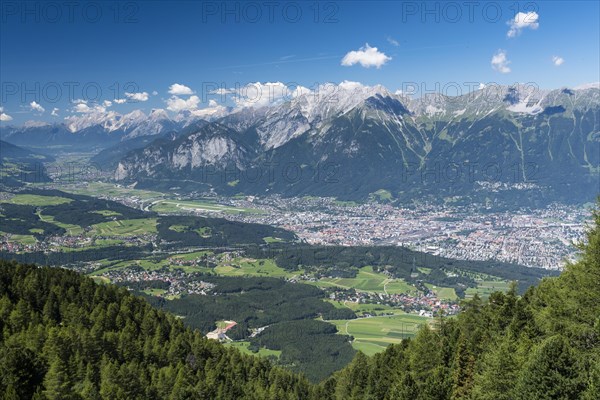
462,378
89,390
58,382
592,391
51,310
184,384
404,389
497,372
11,393
550,373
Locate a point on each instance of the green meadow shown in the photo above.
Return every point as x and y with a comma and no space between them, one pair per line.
487,287
443,293
37,200
374,334
124,227
367,280
252,267
262,352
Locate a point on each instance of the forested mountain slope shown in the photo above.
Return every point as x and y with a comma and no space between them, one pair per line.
64,337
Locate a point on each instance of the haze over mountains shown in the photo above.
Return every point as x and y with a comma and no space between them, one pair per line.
351,141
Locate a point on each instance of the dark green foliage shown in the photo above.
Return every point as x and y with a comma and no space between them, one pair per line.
255,301
64,337
307,346
23,218
339,313
551,372
117,253
219,232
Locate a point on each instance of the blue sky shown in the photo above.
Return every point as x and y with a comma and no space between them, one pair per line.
147,46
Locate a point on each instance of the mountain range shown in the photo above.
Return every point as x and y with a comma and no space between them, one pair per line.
354,142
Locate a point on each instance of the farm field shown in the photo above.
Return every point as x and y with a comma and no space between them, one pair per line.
96,189
191,256
270,239
108,213
262,352
374,334
367,280
236,267
100,279
443,293
22,239
71,229
154,292
360,308
147,264
38,200
124,227
252,267
487,287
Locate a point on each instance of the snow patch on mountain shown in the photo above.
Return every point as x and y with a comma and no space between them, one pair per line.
593,85
310,109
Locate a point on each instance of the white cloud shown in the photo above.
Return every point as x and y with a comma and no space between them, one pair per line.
85,109
82,108
4,117
214,109
54,112
154,93
177,104
393,41
592,85
222,91
143,96
366,56
107,103
500,62
481,86
259,94
36,107
523,21
558,61
350,85
80,101
120,101
178,89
